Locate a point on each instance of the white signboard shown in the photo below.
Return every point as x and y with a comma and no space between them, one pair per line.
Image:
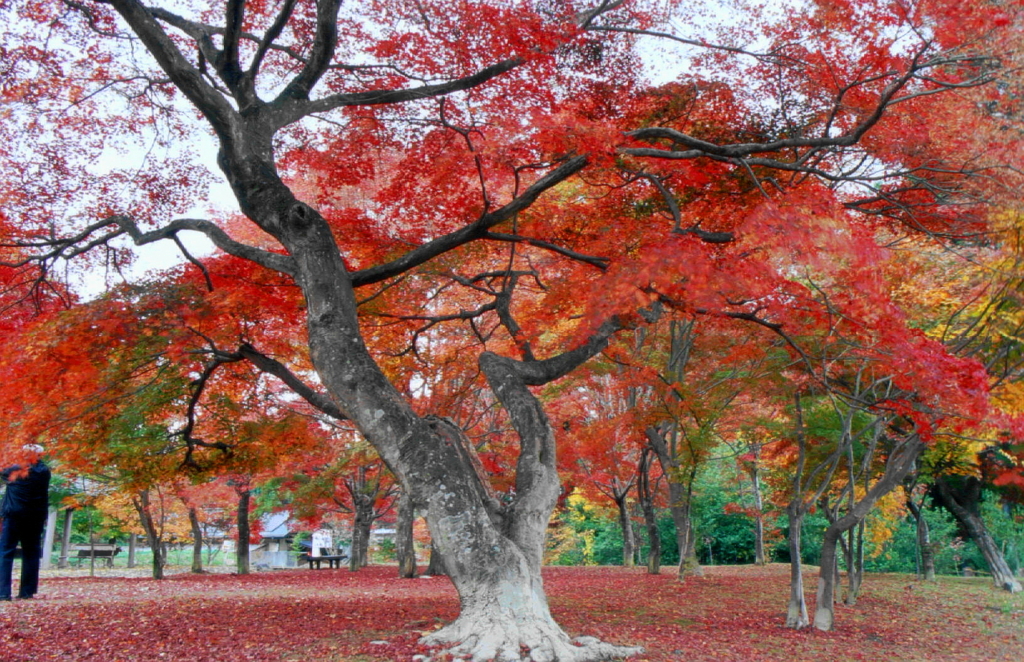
322,540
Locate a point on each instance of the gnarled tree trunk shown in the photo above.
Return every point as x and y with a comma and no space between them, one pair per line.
899,464
491,550
963,502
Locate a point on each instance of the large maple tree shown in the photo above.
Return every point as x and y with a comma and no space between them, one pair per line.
507,166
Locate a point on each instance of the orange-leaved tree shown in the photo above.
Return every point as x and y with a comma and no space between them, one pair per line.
532,172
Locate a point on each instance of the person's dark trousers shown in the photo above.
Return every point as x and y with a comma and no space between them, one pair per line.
28,531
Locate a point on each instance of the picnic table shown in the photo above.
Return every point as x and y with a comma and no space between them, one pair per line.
333,560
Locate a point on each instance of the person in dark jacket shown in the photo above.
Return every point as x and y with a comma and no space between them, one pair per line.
24,509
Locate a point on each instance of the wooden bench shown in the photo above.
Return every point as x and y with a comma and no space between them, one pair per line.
333,560
104,552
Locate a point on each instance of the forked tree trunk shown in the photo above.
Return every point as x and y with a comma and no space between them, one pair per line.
924,542
492,550
796,612
144,508
405,552
197,540
964,505
899,463
679,496
242,552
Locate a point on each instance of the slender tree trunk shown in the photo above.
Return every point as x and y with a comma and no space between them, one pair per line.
689,565
65,538
645,495
679,503
132,539
963,504
855,564
242,553
197,540
144,508
824,613
755,488
404,548
48,539
626,524
924,541
796,613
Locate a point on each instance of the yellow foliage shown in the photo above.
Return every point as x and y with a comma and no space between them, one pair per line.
884,520
169,513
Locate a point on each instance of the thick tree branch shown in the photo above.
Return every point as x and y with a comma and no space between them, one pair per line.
324,43
280,263
291,108
187,78
319,400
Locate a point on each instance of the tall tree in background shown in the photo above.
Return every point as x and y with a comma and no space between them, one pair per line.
707,195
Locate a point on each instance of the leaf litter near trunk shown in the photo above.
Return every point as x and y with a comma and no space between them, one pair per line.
732,613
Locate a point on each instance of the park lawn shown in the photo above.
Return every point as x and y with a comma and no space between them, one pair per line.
733,613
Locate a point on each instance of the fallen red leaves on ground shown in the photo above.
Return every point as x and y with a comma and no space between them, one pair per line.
733,613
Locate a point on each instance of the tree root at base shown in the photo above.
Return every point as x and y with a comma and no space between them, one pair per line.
478,641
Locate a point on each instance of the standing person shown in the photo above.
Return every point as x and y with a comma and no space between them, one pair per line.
24,509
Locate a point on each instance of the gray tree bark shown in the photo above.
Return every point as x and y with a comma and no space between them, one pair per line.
65,539
963,504
924,542
626,524
132,545
900,462
796,611
404,549
144,508
197,540
645,495
492,551
48,539
242,523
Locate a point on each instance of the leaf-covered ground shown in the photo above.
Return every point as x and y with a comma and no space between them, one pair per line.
733,613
